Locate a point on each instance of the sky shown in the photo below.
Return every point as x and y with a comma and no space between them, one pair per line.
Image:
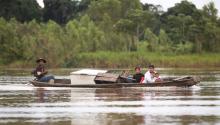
170,3
40,2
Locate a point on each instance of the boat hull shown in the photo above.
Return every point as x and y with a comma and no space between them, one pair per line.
185,82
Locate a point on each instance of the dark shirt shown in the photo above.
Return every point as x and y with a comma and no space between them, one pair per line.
39,68
138,77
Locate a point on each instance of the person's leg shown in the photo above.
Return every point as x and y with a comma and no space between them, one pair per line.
43,79
47,79
51,79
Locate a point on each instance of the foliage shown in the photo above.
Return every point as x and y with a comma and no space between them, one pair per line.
60,11
71,32
105,59
22,10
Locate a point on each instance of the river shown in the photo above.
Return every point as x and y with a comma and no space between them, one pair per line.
23,104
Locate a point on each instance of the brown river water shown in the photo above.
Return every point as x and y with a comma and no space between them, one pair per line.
23,104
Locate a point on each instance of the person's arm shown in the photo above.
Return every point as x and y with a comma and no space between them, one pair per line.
34,72
44,72
143,81
134,76
40,72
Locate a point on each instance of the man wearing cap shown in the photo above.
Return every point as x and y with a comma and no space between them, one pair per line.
149,75
40,72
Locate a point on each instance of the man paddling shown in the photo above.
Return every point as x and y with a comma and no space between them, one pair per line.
40,72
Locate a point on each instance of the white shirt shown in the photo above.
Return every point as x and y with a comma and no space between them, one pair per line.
148,78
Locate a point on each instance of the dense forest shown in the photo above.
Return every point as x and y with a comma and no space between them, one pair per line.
67,32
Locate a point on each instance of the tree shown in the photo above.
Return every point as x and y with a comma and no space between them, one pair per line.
99,8
211,28
91,36
164,42
184,23
156,9
156,12
140,20
12,47
84,5
21,10
152,40
179,27
61,11
127,5
210,12
184,7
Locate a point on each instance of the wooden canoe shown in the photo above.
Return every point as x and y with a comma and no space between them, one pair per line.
180,82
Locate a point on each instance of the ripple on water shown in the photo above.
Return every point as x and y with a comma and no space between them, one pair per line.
20,101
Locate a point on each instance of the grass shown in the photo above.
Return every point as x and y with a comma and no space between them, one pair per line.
131,59
105,59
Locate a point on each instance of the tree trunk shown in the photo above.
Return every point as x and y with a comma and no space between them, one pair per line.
198,44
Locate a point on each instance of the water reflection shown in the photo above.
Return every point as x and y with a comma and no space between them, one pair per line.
138,94
44,95
40,93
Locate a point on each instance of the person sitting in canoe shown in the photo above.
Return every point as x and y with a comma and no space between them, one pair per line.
138,76
157,77
40,72
149,75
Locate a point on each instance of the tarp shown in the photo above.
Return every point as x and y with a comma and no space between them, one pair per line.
92,72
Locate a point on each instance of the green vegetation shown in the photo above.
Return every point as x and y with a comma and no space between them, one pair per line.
131,59
108,33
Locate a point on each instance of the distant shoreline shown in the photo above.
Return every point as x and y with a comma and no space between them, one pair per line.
131,59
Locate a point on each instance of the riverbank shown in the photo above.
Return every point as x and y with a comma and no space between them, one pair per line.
131,59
